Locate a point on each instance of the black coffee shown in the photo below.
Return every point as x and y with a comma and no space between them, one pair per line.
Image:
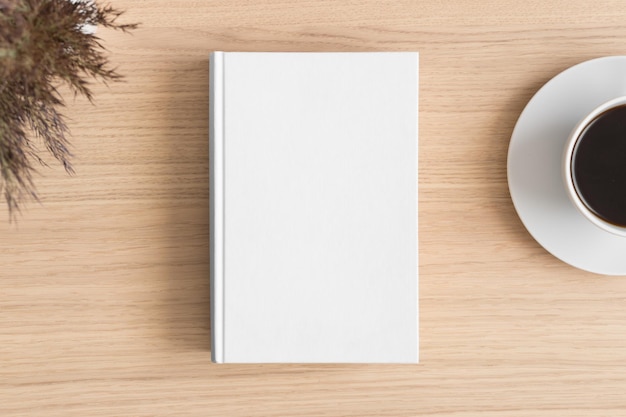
599,166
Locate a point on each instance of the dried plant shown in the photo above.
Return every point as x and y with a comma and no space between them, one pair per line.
44,44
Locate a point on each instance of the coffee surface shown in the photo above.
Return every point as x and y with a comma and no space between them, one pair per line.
599,166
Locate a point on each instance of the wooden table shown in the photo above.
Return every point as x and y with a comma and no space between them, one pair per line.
104,295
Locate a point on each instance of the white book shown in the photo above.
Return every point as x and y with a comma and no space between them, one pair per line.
314,235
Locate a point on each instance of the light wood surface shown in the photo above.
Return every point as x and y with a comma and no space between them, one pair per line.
104,302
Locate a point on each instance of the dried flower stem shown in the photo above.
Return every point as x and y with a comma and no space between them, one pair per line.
41,46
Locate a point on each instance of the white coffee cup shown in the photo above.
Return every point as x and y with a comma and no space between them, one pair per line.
569,152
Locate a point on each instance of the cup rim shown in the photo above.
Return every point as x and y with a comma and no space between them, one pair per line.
567,166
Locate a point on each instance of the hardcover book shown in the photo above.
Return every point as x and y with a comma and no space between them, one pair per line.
314,208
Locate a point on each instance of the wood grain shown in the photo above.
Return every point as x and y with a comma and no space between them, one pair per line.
104,303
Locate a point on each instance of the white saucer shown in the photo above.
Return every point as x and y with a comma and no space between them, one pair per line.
534,166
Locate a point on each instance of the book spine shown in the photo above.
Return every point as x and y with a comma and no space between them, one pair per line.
216,197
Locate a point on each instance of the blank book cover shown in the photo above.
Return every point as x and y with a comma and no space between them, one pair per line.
314,209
